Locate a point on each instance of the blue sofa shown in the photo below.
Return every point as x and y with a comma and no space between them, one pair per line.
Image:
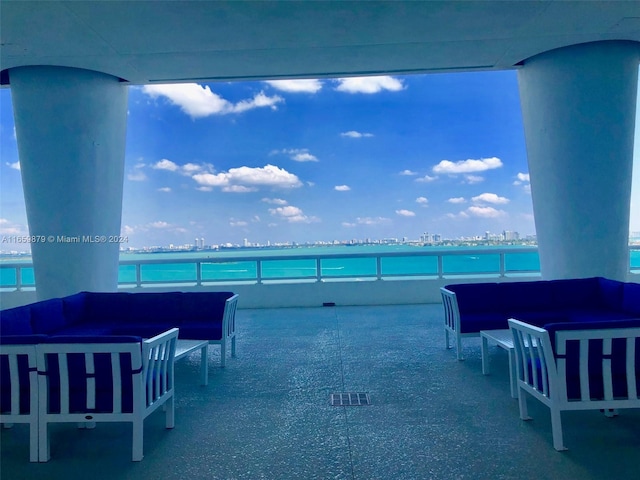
472,307
198,315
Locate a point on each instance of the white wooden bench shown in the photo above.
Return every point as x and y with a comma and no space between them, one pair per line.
567,378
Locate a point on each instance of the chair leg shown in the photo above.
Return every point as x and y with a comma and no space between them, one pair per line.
43,442
138,430
556,429
522,403
447,344
170,413
233,346
33,442
459,347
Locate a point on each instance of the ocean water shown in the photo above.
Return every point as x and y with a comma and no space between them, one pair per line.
182,267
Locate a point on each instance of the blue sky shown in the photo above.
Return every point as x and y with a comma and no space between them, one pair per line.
314,160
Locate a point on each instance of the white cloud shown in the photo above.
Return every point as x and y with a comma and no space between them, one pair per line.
405,213
354,134
137,175
237,223
426,179
243,179
369,84
165,164
456,200
128,230
407,173
164,189
467,166
485,212
523,177
372,221
296,154
199,101
490,198
275,201
296,86
14,165
342,188
473,179
422,200
159,224
9,228
291,214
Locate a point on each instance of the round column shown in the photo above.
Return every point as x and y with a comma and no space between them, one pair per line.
578,107
71,133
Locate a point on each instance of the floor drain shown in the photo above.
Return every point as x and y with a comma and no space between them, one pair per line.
350,399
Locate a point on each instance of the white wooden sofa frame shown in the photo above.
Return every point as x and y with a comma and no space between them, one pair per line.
13,353
452,322
152,365
228,329
547,382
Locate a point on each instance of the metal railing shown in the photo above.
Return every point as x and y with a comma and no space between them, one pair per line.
421,264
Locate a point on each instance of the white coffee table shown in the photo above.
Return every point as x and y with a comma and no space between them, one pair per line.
185,347
504,340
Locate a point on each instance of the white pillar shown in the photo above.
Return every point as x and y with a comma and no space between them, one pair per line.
578,107
71,132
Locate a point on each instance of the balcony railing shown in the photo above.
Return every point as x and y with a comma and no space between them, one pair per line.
421,264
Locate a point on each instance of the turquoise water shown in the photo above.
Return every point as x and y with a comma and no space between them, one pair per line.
483,262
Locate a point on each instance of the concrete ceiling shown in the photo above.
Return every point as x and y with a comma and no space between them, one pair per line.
174,41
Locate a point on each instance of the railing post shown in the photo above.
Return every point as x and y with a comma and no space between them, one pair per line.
440,266
318,269
259,271
138,275
19,279
502,262
379,267
199,273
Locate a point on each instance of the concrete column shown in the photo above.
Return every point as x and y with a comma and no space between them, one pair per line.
578,107
71,132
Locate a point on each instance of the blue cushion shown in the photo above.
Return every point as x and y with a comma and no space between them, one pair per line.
576,293
158,308
47,316
203,306
631,298
22,339
476,297
74,306
526,296
16,321
611,293
107,308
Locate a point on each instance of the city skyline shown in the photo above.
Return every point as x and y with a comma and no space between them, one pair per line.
315,160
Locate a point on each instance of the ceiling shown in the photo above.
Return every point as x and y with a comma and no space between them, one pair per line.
175,41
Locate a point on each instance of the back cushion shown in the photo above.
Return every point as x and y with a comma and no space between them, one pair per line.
526,296
16,321
73,307
611,292
476,297
158,308
204,306
576,293
47,316
631,298
109,308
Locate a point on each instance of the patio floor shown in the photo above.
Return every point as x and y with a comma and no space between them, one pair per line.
267,415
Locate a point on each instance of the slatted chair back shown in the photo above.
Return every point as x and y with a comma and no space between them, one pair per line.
19,390
105,379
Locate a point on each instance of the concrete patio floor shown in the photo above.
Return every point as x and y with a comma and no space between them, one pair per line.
267,414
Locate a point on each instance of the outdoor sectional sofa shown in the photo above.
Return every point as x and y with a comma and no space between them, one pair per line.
199,316
472,307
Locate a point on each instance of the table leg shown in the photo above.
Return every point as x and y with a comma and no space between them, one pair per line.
485,356
204,365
